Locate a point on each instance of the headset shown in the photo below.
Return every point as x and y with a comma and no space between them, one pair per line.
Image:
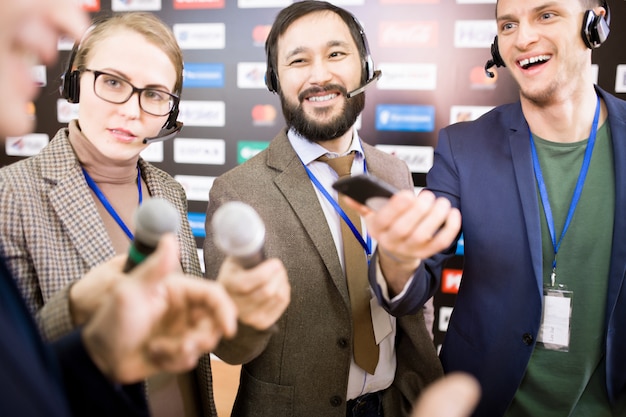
595,30
70,90
271,79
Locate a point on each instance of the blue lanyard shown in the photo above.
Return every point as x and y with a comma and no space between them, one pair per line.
94,187
367,246
543,192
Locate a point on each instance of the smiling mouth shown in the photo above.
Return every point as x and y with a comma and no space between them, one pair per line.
532,61
326,97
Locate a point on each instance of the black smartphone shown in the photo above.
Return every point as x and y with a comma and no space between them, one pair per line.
366,189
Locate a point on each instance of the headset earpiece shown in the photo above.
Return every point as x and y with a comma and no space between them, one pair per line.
172,118
595,27
70,79
495,54
369,62
70,86
271,81
496,59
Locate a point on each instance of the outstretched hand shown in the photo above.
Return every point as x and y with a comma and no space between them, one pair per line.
156,319
408,229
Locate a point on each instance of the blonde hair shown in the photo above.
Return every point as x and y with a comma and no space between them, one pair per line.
146,24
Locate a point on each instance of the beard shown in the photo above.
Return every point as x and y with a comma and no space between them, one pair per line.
314,130
543,97
561,86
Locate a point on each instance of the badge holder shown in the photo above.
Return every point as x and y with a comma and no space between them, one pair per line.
554,333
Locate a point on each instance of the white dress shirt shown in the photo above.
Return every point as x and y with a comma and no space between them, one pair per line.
359,381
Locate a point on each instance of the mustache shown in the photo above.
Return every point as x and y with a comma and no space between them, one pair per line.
318,89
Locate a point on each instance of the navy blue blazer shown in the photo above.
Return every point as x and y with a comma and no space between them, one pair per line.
52,380
497,314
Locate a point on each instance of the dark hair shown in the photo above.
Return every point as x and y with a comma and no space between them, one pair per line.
291,13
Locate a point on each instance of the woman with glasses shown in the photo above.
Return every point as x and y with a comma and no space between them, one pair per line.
71,207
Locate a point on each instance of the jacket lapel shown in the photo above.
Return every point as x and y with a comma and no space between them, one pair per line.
71,200
296,186
526,185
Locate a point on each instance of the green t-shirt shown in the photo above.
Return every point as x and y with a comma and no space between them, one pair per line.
566,383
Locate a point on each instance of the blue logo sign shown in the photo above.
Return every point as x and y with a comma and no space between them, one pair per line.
203,75
407,118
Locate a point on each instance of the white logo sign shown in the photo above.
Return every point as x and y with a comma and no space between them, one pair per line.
251,74
199,151
66,111
27,145
474,33
202,113
200,35
400,76
418,158
196,187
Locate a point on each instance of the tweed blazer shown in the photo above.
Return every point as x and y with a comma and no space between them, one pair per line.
301,368
51,233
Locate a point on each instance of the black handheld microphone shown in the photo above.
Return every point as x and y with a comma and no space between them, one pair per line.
165,133
377,74
239,232
153,218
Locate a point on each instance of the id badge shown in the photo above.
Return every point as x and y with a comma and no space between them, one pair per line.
554,333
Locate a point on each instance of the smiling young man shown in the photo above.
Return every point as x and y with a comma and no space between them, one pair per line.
317,55
540,315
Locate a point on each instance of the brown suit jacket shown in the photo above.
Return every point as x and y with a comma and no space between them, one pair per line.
302,368
51,234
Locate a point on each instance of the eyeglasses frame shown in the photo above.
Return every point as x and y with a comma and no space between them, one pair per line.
174,99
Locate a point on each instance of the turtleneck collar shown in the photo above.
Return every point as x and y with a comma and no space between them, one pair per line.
101,168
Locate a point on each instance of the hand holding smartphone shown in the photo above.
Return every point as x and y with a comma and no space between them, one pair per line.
366,189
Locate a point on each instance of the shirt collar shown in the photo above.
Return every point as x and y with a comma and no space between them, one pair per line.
309,151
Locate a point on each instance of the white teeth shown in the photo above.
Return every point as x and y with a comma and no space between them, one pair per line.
533,60
323,98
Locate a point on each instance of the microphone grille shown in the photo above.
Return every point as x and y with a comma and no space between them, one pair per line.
238,229
155,217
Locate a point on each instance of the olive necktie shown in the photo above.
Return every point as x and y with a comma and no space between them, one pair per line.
365,349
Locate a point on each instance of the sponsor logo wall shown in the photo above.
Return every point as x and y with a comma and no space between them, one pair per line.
431,52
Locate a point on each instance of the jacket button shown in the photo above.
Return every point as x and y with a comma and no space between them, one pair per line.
335,401
342,342
527,338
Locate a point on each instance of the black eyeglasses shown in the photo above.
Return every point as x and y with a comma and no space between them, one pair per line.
117,90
